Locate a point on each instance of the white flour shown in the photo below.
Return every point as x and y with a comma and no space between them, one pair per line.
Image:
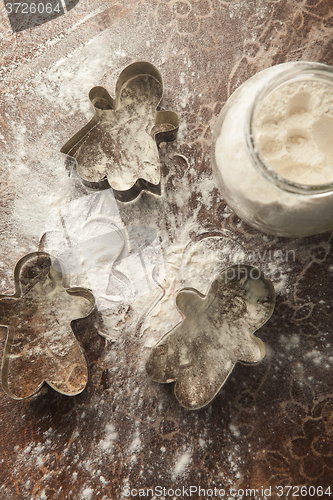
293,129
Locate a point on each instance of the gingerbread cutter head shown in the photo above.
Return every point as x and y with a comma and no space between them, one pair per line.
218,330
41,345
118,147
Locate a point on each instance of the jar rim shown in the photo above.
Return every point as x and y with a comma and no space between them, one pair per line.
302,72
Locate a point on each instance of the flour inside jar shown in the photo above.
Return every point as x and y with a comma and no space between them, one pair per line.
293,129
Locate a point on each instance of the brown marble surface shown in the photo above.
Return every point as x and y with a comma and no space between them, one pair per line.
272,423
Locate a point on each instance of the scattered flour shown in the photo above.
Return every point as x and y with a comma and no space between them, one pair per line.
110,437
234,429
87,494
182,463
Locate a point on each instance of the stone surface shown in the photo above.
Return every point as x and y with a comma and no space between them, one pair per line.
271,424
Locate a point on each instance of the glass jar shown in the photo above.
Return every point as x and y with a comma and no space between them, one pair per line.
244,163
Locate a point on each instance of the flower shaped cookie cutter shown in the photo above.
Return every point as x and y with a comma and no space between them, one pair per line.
218,330
41,345
118,147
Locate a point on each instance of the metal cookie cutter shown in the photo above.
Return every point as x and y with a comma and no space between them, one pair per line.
218,330
41,345
118,147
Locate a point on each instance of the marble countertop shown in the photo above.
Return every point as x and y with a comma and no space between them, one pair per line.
271,424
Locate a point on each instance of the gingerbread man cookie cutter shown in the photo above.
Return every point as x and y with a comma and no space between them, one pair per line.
41,345
118,147
218,330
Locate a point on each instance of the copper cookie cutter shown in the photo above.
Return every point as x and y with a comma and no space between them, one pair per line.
118,147
218,330
41,345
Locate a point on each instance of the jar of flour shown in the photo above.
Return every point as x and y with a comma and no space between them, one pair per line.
272,150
